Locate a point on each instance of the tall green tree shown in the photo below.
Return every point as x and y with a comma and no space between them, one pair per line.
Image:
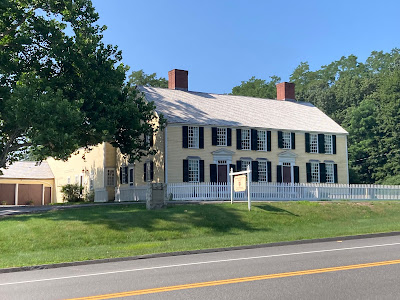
61,87
141,78
257,88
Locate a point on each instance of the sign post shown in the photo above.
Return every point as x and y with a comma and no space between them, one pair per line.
240,181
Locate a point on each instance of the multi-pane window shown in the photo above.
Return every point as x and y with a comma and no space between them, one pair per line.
330,176
313,143
246,139
221,136
262,171
194,170
193,137
261,140
328,144
124,175
286,140
110,177
314,172
245,164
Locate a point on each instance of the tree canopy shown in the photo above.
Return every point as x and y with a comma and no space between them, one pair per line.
364,98
257,88
141,78
61,87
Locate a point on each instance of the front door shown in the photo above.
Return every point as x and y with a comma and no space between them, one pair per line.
287,176
222,173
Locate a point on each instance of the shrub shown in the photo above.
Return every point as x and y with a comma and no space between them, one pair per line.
72,193
89,197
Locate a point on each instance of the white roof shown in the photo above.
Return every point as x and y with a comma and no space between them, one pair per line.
188,107
28,170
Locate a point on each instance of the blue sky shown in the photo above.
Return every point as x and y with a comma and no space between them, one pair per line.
222,43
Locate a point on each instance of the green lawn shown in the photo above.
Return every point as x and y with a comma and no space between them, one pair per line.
124,230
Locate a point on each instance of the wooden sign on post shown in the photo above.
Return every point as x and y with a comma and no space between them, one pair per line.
239,183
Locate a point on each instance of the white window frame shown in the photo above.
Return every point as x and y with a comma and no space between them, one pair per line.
286,140
110,176
193,137
313,143
222,134
91,181
314,172
245,163
328,143
123,174
194,170
262,140
246,139
262,171
330,172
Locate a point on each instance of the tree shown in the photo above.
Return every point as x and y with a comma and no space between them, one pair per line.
141,78
61,87
257,88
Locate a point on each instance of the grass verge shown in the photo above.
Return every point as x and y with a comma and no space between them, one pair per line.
116,231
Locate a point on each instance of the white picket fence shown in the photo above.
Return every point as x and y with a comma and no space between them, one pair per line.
131,193
282,191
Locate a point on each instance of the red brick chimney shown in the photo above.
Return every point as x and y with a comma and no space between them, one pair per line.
178,80
285,91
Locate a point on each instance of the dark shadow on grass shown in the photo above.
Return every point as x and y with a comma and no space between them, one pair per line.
214,218
274,209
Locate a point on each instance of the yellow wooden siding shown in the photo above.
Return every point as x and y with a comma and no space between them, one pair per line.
76,166
176,154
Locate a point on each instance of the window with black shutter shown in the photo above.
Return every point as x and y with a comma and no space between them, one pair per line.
335,172
185,139
253,139
213,172
269,171
201,166
185,170
334,144
293,137
322,173
229,137
308,170
296,174
239,165
254,170
238,139
214,136
201,137
268,140
145,172
151,171
120,175
321,143
279,174
307,141
280,139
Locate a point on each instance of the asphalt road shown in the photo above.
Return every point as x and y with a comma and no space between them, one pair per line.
353,269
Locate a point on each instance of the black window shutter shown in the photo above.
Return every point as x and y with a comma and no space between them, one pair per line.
201,137
151,140
254,171
335,173
321,143
296,174
201,166
269,171
126,175
238,139
280,139
322,173
214,136
229,137
253,139
185,141
131,176
268,140
293,137
185,170
239,165
307,137
120,175
278,173
308,170
334,144
144,172
233,167
213,173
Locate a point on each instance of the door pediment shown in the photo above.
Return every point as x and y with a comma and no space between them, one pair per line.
287,154
222,152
